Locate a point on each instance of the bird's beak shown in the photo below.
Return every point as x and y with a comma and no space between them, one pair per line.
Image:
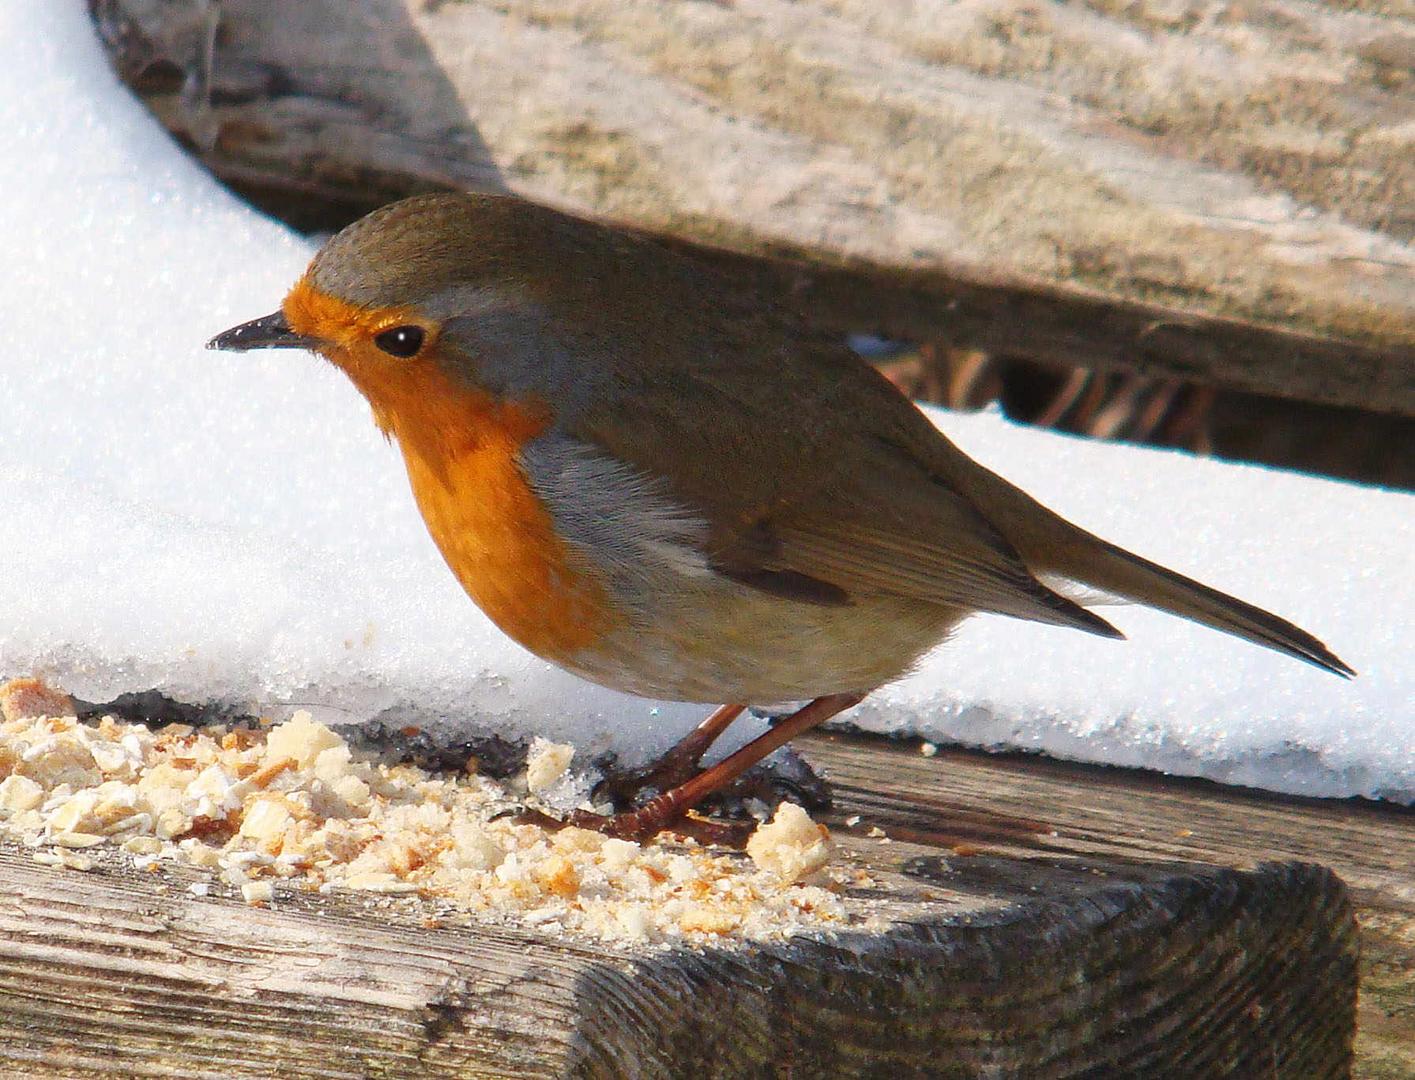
269,332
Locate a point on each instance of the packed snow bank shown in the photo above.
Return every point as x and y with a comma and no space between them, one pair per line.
231,528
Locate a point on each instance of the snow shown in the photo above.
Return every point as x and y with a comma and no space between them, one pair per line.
231,528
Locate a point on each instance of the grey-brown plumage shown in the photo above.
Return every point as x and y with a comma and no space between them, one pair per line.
814,480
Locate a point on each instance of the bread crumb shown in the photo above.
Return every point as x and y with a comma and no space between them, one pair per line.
198,853
76,840
701,919
67,859
791,845
617,856
546,763
472,848
291,804
26,699
556,875
266,821
268,772
633,922
301,738
19,793
377,883
928,749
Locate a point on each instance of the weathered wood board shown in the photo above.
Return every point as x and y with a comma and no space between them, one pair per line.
1047,921
1221,191
1041,811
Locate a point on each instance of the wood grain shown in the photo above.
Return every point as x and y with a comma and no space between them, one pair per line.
1076,933
1216,192
1049,812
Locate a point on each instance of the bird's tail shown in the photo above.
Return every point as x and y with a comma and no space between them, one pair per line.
1052,546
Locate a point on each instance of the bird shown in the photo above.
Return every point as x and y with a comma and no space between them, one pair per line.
649,475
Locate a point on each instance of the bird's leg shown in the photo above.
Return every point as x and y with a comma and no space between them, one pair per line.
666,809
681,762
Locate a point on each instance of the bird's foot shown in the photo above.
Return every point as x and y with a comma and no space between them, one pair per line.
686,783
629,789
675,767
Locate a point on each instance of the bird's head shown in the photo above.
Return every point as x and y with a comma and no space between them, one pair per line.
418,303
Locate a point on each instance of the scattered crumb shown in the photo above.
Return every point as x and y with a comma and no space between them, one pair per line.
19,793
297,743
546,763
24,698
65,859
791,845
852,821
291,804
876,833
928,749
705,919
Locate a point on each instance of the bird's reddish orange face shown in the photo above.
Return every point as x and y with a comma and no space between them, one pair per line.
392,355
388,352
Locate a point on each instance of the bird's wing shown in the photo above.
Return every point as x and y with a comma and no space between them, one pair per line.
805,463
906,534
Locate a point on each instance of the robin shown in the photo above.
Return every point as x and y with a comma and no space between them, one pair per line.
643,473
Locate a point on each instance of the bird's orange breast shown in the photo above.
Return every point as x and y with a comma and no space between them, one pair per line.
501,544
461,447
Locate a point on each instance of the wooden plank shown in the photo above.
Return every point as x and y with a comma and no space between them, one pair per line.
1213,194
1077,931
1040,810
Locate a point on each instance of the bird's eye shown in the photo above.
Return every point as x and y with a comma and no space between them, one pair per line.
404,341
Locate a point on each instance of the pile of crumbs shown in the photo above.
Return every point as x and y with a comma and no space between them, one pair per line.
291,809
